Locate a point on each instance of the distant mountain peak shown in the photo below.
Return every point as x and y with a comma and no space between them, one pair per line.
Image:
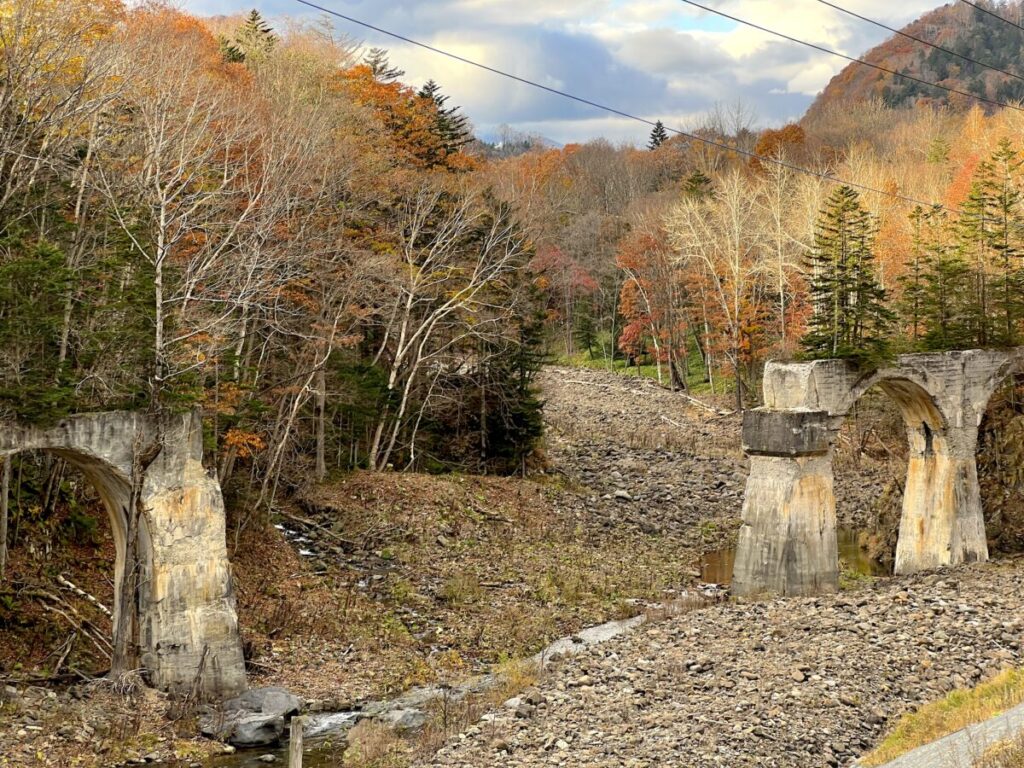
962,29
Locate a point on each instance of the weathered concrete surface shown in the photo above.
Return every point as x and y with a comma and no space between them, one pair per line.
787,543
786,433
187,603
967,746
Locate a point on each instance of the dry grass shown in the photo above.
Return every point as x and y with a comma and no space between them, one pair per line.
372,745
1009,754
941,718
468,572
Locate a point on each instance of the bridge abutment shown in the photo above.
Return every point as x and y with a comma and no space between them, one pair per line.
188,627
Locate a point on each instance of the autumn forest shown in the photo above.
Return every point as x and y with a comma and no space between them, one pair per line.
272,223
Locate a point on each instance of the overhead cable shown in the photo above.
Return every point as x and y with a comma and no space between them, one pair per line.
621,113
922,41
852,59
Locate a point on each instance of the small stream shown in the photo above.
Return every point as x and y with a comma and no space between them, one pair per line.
716,567
325,732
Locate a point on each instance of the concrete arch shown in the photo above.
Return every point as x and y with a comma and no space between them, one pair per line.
909,389
1011,365
186,600
787,542
113,487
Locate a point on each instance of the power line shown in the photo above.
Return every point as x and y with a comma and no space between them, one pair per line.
993,14
916,39
612,110
831,52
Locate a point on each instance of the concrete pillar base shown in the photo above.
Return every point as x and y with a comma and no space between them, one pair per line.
787,544
942,523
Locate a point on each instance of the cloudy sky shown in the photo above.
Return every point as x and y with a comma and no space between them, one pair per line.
660,59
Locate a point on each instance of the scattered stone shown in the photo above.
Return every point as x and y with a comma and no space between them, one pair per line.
791,682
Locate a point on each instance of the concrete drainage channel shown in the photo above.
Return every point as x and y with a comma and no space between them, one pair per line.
257,720
965,747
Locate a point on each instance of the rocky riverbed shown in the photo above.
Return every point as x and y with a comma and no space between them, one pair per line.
791,682
646,457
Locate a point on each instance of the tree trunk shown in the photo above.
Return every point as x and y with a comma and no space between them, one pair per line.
321,408
5,490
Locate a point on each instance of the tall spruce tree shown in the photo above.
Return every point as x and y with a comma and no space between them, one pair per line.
974,248
850,319
1003,198
451,127
380,65
254,40
912,299
947,292
658,136
937,286
990,237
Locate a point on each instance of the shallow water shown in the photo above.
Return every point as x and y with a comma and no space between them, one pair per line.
716,567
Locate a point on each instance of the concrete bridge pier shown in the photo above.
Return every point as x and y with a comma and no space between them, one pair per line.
188,628
788,543
942,523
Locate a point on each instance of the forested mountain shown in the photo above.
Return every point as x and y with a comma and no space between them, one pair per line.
964,30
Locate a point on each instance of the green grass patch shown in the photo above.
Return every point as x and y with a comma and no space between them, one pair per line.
958,710
695,377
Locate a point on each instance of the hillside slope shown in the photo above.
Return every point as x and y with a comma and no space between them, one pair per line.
958,27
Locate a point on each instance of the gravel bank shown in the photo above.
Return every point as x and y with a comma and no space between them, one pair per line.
794,682
646,457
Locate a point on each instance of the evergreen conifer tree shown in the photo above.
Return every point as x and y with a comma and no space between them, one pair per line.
697,185
850,318
254,40
990,236
973,245
912,300
379,64
451,127
1003,198
936,287
230,52
658,136
947,288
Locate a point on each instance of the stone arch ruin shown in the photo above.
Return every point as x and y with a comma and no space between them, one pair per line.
787,544
186,598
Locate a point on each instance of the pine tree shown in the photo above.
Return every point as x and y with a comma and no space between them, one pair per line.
254,40
947,288
936,287
990,236
697,185
379,64
973,246
850,318
911,302
938,151
658,136
230,52
451,127
1003,198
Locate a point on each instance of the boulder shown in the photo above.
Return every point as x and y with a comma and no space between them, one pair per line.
268,701
256,730
404,719
257,718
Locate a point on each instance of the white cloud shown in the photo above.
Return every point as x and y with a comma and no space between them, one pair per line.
648,57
